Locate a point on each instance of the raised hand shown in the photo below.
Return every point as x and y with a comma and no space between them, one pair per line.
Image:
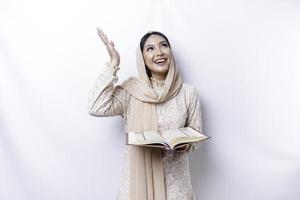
110,46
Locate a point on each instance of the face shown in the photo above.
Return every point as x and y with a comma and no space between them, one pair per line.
157,56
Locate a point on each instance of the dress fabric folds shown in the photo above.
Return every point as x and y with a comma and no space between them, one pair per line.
183,110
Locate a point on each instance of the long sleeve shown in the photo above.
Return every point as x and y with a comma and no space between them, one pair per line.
106,100
194,119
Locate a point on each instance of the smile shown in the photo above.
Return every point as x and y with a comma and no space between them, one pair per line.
160,61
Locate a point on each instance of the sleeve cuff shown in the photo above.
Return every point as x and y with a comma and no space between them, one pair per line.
112,68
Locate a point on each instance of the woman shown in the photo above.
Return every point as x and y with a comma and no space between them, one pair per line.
156,100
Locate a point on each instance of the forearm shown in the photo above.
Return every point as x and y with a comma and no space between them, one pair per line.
102,100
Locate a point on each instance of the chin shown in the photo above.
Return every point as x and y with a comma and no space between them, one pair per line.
160,70
164,72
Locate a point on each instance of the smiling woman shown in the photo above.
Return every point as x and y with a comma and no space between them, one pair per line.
156,100
157,54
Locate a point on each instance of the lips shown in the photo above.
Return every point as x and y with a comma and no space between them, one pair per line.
160,61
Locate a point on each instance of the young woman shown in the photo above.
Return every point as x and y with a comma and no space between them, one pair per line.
156,100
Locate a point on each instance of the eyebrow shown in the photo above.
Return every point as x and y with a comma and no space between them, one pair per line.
153,45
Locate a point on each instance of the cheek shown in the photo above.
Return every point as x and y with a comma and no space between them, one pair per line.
148,59
168,52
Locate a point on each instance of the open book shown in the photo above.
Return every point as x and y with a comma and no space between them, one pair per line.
169,139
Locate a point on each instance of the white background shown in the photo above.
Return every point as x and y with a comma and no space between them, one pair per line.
242,56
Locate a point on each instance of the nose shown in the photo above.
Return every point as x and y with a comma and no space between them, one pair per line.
159,51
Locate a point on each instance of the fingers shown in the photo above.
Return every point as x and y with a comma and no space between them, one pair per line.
112,43
102,36
109,44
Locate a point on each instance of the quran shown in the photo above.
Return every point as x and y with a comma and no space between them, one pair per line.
169,139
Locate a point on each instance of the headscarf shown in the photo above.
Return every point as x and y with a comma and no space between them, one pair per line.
146,175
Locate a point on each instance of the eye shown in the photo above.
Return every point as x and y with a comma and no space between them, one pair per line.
164,45
149,48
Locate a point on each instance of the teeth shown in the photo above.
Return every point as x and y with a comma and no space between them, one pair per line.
160,60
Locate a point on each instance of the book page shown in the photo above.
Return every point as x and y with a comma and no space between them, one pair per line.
191,132
182,135
135,138
153,136
146,137
173,133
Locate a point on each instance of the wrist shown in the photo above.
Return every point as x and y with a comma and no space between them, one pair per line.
112,68
115,62
112,65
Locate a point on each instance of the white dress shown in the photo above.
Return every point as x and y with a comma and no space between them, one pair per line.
182,110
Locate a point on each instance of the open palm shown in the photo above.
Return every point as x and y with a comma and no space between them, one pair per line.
110,46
